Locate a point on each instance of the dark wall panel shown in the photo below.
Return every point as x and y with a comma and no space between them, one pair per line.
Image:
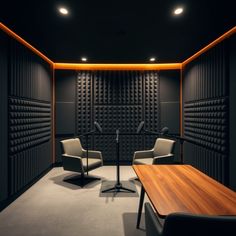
170,105
170,116
65,85
3,117
30,76
232,108
206,112
210,162
117,100
205,77
65,95
28,164
169,86
25,124
65,118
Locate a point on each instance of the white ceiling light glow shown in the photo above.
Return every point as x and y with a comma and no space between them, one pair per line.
63,10
178,11
83,59
152,59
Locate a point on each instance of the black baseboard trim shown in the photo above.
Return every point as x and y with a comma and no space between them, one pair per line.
12,198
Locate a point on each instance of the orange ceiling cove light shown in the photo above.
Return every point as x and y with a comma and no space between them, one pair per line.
80,66
22,41
211,45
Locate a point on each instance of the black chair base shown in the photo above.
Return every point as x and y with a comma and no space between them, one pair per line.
81,180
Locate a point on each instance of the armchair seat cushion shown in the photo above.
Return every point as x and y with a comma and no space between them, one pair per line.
145,161
93,163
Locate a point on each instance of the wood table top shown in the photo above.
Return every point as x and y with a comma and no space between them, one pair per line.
183,188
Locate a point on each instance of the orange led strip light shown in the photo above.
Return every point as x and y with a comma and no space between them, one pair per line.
80,66
211,45
22,41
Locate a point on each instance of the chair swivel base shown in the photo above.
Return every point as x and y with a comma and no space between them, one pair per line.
118,188
81,180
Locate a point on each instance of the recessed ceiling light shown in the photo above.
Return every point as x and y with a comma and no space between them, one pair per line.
152,59
63,10
83,59
178,10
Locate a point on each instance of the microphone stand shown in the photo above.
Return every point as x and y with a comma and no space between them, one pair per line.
118,186
181,141
86,140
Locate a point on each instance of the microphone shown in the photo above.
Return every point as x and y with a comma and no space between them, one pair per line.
98,127
117,135
164,130
140,127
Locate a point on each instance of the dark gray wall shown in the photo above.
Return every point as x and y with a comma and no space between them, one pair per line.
117,100
25,116
232,92
65,95
206,112
3,117
170,104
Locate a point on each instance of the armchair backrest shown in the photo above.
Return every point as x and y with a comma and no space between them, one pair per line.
72,147
163,146
202,225
185,224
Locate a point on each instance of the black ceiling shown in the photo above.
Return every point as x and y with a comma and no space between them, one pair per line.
123,31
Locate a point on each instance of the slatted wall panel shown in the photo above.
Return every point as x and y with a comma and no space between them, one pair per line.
206,112
3,117
28,164
30,76
209,161
117,100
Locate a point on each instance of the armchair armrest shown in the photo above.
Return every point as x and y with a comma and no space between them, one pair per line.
143,154
72,163
165,159
92,154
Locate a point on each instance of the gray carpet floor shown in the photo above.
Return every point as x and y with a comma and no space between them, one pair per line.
55,207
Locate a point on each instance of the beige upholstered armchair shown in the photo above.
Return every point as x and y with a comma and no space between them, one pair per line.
74,158
162,153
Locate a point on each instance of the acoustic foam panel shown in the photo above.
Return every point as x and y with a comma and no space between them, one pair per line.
29,124
30,76
3,117
30,140
65,118
151,101
117,100
84,102
206,124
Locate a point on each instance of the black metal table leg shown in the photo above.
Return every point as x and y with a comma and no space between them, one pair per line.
140,206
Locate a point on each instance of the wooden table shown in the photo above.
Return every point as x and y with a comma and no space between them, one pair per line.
183,188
